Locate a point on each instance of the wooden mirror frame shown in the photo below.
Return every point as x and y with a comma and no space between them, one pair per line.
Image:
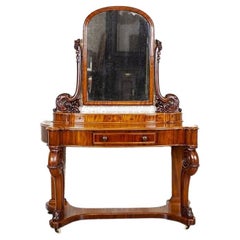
150,67
71,104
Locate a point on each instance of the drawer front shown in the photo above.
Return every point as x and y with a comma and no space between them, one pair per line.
124,138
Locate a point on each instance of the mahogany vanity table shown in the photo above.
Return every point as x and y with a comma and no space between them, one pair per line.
117,102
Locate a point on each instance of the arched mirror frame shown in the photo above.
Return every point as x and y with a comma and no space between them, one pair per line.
150,98
67,103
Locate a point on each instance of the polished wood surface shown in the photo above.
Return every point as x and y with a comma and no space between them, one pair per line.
71,126
102,131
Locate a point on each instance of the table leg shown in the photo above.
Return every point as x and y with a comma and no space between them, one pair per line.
189,167
56,165
177,156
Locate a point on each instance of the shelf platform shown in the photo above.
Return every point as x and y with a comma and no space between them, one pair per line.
169,211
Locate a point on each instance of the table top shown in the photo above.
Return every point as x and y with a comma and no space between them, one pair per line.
115,129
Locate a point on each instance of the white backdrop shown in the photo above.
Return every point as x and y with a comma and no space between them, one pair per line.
199,63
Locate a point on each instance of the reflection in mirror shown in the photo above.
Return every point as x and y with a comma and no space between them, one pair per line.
118,57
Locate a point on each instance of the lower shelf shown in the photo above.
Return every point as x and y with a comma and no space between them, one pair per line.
72,214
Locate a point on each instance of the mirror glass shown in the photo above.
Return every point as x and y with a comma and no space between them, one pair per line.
117,57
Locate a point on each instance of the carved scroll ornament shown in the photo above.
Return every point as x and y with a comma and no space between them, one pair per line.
191,161
65,102
189,167
169,103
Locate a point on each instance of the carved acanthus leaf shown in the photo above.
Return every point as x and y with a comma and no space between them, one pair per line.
190,161
65,103
167,104
187,212
57,215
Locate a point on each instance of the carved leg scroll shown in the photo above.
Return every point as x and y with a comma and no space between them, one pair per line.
56,165
189,168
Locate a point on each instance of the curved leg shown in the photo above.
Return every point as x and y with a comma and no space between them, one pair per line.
189,168
56,165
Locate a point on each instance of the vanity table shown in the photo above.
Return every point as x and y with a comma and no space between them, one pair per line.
118,103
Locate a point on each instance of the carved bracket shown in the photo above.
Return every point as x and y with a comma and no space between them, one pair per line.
190,162
55,161
189,167
65,102
169,103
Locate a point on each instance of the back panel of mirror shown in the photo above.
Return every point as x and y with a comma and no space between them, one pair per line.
118,59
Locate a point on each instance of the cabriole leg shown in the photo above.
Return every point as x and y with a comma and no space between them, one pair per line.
189,168
56,165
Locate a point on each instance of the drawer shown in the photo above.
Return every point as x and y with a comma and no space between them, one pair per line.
123,138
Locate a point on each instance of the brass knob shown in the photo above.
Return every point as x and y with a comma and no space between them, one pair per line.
144,138
104,138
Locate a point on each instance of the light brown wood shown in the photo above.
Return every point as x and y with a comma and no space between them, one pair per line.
72,214
182,140
71,127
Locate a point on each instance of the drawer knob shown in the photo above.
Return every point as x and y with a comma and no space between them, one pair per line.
104,138
144,138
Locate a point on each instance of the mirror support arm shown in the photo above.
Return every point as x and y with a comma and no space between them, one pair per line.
65,102
169,103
